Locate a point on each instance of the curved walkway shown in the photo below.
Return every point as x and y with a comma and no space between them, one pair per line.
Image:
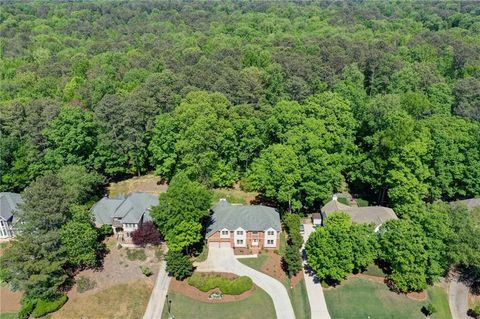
222,259
458,298
159,293
318,306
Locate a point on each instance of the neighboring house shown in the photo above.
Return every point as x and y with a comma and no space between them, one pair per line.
124,214
244,226
471,203
8,204
376,215
317,219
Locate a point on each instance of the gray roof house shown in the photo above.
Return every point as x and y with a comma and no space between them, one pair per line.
471,203
8,204
125,214
253,226
376,215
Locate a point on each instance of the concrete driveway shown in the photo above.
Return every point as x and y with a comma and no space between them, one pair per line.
222,259
157,298
318,306
458,298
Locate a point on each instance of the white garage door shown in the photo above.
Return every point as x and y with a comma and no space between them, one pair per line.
218,244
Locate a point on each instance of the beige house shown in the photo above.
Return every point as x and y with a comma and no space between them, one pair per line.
376,215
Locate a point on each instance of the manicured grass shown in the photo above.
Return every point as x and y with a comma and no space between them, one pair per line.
255,263
298,295
236,196
361,298
203,255
299,298
126,301
374,270
258,305
8,315
438,297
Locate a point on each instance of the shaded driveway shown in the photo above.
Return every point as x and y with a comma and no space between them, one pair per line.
222,259
458,298
318,306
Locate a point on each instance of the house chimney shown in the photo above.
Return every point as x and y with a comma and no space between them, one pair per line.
334,197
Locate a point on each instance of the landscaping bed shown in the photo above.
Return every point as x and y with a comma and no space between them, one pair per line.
182,287
228,284
257,305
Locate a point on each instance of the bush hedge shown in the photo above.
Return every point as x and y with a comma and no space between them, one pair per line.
28,304
44,307
206,282
84,284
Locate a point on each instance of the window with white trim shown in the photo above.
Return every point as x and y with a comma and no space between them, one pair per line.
254,232
225,233
239,232
239,241
270,233
269,241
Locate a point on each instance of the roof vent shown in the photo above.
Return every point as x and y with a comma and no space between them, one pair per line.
334,197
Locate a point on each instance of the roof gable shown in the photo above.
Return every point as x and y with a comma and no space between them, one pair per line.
247,217
8,204
130,209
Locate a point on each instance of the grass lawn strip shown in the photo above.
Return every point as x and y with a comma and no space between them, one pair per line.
438,297
8,315
258,305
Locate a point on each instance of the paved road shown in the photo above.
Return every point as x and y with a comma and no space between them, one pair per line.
318,306
157,298
221,259
458,298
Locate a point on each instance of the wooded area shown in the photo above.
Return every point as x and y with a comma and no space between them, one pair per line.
294,100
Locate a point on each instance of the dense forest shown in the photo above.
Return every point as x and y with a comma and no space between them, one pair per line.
295,100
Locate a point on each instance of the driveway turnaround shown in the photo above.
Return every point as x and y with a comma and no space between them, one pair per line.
159,293
458,298
222,259
318,306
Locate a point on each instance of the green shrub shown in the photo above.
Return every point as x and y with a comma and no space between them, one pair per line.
28,305
44,307
207,282
84,284
146,271
136,254
361,202
342,200
429,309
178,265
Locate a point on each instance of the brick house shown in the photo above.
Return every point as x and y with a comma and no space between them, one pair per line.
254,227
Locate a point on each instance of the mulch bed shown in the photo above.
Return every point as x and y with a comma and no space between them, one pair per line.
182,287
273,266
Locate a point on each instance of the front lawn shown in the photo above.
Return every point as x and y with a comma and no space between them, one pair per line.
298,295
258,305
438,297
8,315
126,301
299,298
362,298
255,263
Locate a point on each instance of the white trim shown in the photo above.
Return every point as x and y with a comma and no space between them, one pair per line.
224,235
270,237
242,236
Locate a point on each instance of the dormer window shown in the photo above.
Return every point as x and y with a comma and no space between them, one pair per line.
240,232
224,233
270,233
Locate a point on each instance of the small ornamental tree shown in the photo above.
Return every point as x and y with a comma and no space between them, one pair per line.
292,261
146,234
178,265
